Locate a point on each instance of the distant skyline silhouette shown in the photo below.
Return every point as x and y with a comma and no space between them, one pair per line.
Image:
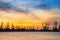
45,28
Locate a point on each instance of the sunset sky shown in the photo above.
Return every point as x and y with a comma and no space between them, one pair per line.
29,12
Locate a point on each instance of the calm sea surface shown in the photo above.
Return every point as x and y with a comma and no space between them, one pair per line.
29,35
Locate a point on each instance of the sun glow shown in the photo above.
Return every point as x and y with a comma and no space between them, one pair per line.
18,18
35,18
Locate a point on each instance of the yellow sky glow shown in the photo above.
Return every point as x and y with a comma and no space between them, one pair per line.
18,18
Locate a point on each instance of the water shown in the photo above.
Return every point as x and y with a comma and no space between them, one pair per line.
29,35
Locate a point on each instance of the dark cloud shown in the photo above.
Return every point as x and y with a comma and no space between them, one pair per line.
5,4
24,5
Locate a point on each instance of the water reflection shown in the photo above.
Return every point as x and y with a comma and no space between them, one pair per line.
29,36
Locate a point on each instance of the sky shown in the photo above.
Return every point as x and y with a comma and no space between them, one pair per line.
29,11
